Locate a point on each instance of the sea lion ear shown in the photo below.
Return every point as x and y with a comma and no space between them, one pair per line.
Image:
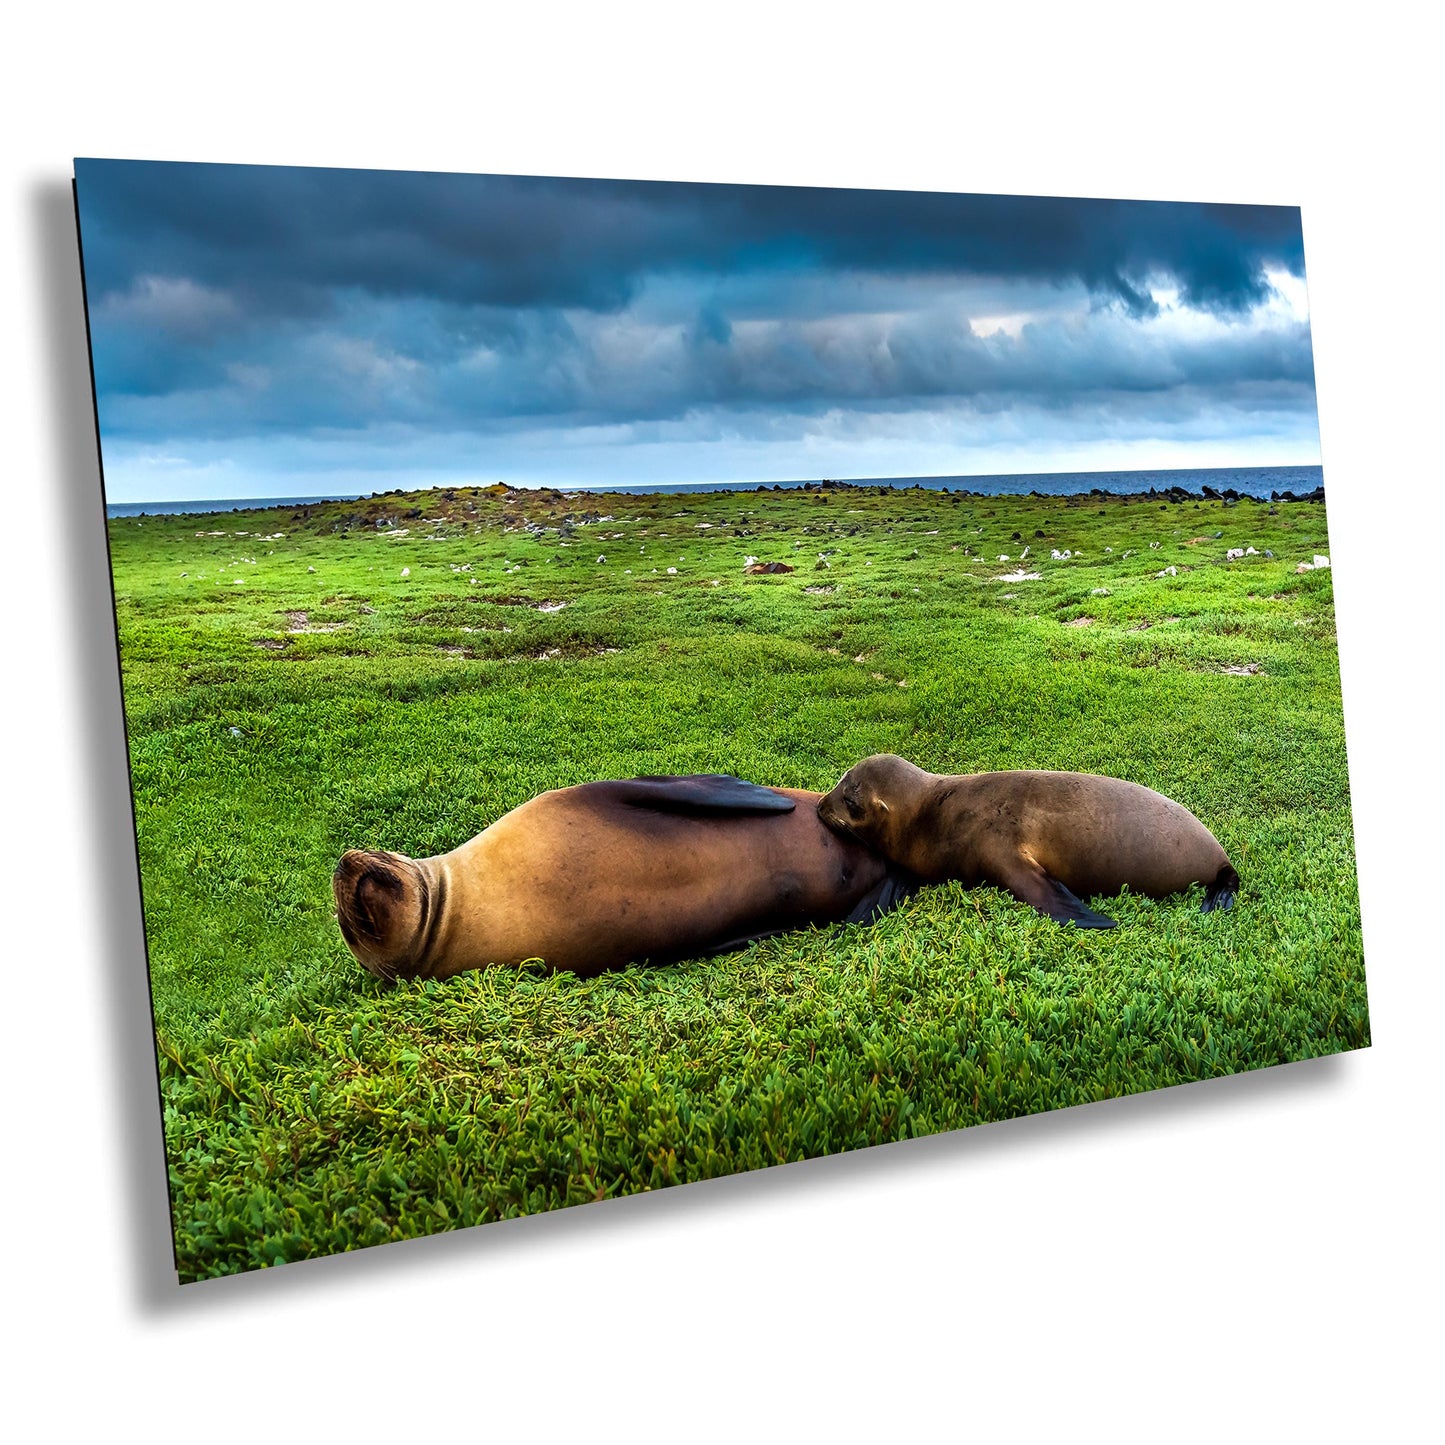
701,793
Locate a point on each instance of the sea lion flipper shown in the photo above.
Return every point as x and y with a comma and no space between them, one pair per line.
701,793
1220,894
896,888
1035,885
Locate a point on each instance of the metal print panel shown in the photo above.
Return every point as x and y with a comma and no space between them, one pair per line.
628,682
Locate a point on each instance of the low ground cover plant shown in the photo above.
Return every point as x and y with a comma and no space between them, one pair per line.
397,673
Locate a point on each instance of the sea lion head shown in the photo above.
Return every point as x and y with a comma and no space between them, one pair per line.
383,902
870,799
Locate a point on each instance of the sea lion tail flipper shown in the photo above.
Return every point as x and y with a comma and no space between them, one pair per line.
895,888
1032,883
1221,893
701,793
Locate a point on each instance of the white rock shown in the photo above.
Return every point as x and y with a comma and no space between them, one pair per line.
1004,557
748,561
672,571
1250,552
1321,561
1168,572
601,560
1233,552
310,569
1020,576
406,571
1100,592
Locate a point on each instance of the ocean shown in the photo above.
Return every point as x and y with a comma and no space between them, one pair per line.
1255,481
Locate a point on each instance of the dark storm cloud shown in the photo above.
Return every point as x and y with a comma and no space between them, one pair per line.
403,363
307,314
285,239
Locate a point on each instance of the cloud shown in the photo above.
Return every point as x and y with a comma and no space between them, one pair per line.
469,368
287,236
464,319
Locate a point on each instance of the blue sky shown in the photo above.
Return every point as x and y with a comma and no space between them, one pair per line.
273,331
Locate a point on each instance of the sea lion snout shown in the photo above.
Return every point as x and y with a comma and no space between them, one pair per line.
828,811
839,807
381,905
856,805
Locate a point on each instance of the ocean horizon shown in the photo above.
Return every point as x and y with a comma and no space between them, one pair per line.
1252,481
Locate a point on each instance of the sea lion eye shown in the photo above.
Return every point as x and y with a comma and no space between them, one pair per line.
854,811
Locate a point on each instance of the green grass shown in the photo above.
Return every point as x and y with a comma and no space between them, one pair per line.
310,1109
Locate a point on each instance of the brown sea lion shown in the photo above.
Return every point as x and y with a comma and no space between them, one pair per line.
603,874
1051,839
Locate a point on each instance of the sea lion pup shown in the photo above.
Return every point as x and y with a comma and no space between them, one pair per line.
603,874
1051,839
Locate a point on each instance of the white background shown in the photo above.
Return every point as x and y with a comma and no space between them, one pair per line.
1251,1257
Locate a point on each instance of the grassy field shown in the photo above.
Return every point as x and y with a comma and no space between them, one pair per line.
398,673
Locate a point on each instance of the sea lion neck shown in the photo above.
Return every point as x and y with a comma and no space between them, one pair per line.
467,905
430,941
916,823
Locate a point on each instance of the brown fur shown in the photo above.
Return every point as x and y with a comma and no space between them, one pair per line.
586,879
1030,832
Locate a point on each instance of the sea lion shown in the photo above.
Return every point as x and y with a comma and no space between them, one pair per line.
1050,839
603,874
